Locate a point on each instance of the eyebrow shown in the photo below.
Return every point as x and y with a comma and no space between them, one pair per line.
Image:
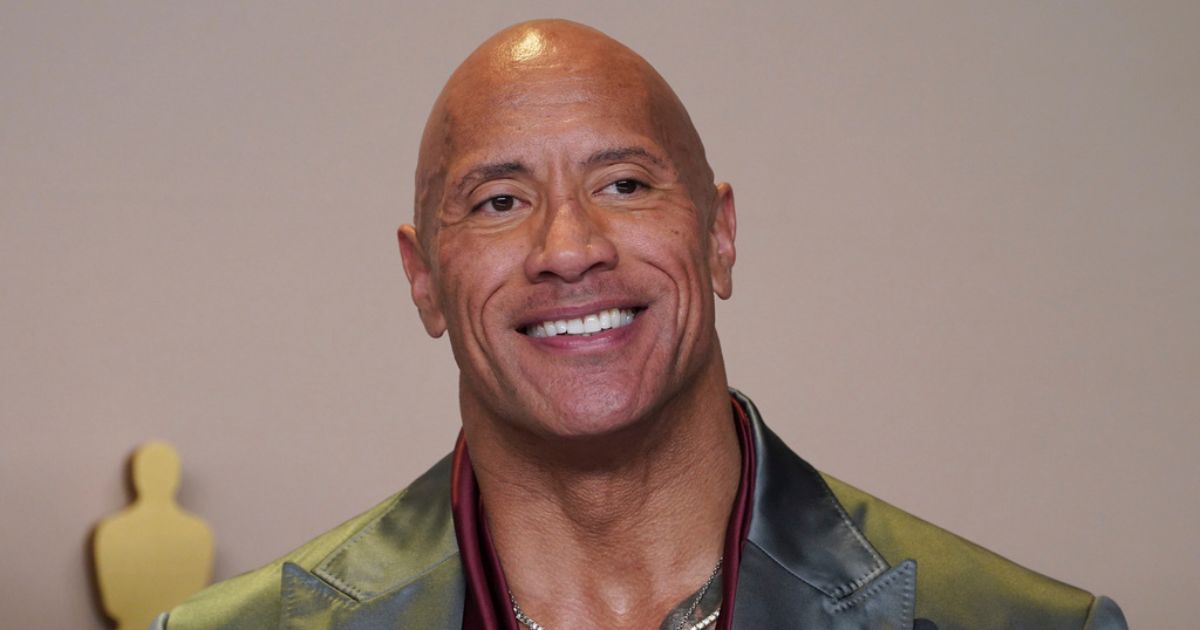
496,170
484,172
621,154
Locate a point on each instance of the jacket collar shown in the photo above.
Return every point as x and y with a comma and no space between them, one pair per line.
804,564
400,570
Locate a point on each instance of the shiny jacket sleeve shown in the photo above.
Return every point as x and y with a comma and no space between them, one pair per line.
1105,615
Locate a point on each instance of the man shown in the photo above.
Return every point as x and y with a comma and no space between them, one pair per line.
570,239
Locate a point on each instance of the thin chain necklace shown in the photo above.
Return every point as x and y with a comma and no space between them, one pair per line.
528,621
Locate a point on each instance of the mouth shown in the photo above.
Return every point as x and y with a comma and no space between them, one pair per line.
584,325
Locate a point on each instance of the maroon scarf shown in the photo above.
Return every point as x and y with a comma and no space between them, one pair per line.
487,606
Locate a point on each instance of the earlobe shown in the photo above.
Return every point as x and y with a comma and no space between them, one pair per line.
416,267
722,233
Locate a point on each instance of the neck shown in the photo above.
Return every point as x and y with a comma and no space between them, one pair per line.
627,535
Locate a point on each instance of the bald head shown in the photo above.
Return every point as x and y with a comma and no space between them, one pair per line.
520,74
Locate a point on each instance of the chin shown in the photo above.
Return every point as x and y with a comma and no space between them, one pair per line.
595,413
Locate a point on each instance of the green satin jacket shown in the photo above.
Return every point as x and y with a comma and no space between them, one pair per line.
820,554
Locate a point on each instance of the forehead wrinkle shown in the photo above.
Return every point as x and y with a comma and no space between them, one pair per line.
545,88
492,101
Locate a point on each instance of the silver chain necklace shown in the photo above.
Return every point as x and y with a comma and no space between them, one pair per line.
528,621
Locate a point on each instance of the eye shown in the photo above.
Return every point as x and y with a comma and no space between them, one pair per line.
625,186
499,203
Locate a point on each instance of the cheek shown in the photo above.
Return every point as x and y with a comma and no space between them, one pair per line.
471,270
667,240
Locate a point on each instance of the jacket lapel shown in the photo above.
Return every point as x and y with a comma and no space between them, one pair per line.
434,601
805,564
401,570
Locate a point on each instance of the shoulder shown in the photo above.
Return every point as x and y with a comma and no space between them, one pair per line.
252,599
961,584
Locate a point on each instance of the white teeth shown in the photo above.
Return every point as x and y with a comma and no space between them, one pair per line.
587,325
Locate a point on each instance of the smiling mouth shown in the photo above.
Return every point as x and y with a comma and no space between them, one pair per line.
584,326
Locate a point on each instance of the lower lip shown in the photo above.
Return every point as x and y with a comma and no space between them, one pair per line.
602,340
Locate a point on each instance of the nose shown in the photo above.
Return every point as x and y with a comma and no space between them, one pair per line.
569,244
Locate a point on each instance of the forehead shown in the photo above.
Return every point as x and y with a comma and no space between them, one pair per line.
523,109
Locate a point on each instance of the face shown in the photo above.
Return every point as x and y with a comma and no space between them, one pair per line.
570,260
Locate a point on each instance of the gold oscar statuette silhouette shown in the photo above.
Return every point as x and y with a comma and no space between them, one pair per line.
151,555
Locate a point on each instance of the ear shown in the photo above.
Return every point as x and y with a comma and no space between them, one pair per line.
721,250
416,267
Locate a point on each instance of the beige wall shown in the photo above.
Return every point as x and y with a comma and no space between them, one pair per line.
966,282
